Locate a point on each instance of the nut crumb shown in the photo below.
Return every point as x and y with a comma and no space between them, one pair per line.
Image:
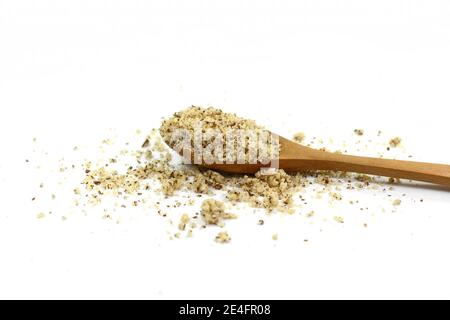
299,137
183,222
223,237
212,211
395,142
338,219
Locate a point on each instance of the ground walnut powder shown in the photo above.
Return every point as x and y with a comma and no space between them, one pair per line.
156,161
216,128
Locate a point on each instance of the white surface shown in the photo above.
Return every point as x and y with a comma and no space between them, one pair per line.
71,70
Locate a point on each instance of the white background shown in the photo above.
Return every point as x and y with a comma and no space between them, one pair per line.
70,70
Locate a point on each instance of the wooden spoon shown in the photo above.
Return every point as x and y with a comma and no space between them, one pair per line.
295,157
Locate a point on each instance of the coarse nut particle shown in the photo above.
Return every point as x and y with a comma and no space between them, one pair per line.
395,142
223,237
212,211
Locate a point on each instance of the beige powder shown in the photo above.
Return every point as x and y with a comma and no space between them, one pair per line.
157,162
216,127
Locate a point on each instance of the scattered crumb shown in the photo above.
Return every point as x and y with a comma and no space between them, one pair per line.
212,211
299,137
338,219
275,237
183,222
223,237
359,132
336,196
397,202
310,214
41,215
395,142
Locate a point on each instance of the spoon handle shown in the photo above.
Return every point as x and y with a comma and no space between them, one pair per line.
420,171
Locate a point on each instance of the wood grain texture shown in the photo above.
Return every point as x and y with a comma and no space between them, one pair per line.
295,157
